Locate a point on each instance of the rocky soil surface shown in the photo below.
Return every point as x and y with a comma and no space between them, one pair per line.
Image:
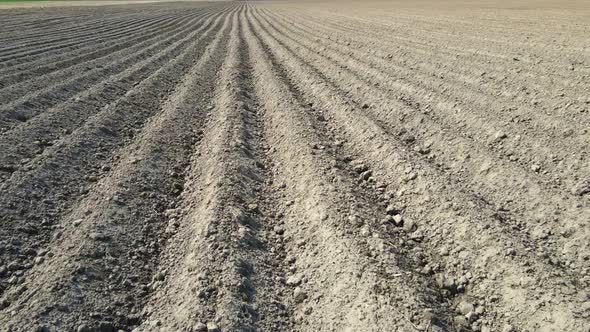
295,166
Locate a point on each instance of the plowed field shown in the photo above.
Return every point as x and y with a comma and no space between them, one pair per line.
306,166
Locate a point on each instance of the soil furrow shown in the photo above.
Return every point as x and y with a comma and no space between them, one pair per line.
22,26
63,60
269,260
297,165
33,137
119,24
243,288
406,38
39,31
492,189
64,174
495,48
78,52
96,51
42,37
72,40
38,50
465,69
144,187
32,104
205,279
469,106
416,189
362,223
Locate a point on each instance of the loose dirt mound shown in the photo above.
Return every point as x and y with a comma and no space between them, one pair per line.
295,166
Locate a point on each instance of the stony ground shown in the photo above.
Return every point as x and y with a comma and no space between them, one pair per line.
306,166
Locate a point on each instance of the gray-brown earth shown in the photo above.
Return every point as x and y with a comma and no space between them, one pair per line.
306,166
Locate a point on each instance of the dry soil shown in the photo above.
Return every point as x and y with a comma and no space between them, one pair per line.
305,166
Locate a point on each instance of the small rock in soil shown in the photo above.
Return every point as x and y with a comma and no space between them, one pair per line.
508,328
392,210
460,321
159,276
581,188
355,220
84,328
293,280
479,310
365,231
200,327
13,266
464,280
409,226
426,270
366,175
106,327
465,307
471,316
43,328
299,295
388,219
447,283
212,327
360,168
500,135
98,236
279,230
398,220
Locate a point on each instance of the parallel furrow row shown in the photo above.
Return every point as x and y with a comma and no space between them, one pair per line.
274,166
428,133
62,59
33,137
77,87
389,155
467,67
71,181
71,39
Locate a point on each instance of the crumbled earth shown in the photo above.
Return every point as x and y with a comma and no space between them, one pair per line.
295,165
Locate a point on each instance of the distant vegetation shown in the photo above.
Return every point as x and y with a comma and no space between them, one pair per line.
21,0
